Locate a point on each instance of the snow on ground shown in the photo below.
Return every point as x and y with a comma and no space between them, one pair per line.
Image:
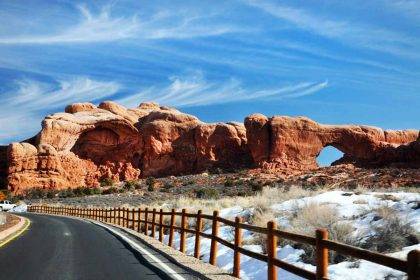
355,208
20,208
352,207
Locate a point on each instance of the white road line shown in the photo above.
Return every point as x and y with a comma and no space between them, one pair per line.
133,244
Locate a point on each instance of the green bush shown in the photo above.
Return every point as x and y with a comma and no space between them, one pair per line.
189,182
391,234
66,193
110,190
207,193
106,182
50,193
151,184
131,185
168,186
78,191
229,182
256,185
36,193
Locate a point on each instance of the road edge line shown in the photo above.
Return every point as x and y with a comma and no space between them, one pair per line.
142,250
17,233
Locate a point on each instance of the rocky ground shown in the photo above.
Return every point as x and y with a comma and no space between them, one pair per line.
242,183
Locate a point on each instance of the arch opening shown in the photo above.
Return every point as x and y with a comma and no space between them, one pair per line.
328,155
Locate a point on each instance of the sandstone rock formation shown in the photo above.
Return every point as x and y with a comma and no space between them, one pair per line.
88,143
295,143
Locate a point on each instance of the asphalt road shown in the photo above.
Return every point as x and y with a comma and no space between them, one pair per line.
65,248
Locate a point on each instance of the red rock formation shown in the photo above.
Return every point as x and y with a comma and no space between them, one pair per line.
89,143
294,143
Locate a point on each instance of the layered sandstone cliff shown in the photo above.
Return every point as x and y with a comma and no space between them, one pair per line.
295,143
88,143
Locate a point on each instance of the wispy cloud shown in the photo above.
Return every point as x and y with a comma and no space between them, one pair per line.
104,27
356,34
92,28
409,8
22,110
195,90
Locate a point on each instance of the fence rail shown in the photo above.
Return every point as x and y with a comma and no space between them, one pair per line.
152,222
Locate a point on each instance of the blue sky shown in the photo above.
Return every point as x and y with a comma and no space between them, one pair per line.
334,61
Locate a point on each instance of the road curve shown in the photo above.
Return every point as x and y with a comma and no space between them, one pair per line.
64,248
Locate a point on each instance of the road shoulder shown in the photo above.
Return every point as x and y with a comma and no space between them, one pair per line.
10,233
181,263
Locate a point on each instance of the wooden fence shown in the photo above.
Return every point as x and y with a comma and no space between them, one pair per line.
151,222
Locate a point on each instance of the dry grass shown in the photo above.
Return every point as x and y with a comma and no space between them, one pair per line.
314,216
260,218
262,200
392,232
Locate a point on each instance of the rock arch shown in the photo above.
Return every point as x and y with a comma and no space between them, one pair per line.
295,142
328,156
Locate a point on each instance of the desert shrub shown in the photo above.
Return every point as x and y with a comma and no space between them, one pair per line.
35,193
50,193
387,197
151,184
78,191
106,182
66,193
215,170
240,182
229,182
166,187
89,191
189,182
260,218
131,185
256,185
391,232
110,190
8,195
207,193
314,216
3,195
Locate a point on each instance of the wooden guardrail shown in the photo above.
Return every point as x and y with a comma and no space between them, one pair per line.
151,222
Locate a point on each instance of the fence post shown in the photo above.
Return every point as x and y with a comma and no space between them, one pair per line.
214,234
413,263
161,225
126,217
321,254
237,244
130,218
182,237
271,251
139,220
198,226
133,212
153,222
119,216
123,217
171,228
146,222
